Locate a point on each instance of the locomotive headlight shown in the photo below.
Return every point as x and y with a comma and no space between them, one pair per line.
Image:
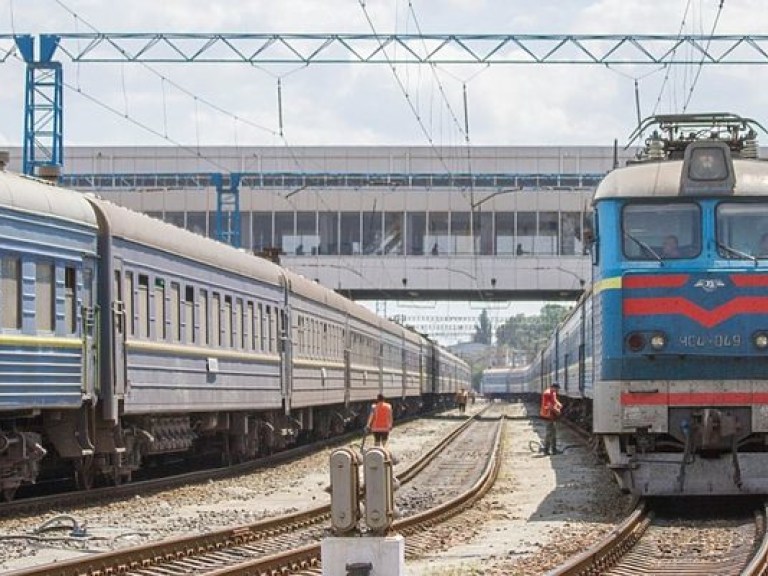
761,340
636,342
658,341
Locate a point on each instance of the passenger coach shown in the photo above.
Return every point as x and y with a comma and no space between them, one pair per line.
126,339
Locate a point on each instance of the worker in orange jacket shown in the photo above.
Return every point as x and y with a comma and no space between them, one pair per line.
380,421
550,411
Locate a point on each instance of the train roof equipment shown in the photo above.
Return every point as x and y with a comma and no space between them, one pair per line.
674,132
692,155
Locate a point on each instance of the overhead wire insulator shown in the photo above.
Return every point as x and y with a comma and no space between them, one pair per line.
750,149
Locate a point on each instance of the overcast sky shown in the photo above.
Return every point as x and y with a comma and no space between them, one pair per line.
363,104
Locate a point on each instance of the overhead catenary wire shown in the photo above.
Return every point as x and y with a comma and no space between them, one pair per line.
404,90
674,52
198,100
704,56
170,81
143,126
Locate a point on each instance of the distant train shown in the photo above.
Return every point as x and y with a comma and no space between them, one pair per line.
666,353
123,339
511,383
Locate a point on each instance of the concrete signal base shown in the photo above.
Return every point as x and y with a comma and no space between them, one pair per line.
350,556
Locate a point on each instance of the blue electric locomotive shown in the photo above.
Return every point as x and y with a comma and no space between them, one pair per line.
669,346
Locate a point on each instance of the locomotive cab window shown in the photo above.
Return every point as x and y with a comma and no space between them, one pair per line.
742,230
653,231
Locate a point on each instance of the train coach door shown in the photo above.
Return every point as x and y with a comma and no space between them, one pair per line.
347,362
285,345
121,310
286,358
89,325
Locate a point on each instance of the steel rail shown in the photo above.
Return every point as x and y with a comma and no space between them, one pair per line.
147,555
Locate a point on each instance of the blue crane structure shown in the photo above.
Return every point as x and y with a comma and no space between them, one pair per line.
43,125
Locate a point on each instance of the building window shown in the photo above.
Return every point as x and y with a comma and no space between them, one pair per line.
417,231
461,238
328,230
262,231
393,233
372,232
350,233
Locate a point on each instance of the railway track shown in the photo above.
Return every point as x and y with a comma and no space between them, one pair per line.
292,543
656,542
59,500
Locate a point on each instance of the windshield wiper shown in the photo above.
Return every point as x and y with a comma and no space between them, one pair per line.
644,246
739,253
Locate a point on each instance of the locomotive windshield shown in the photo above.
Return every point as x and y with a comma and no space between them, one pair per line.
742,230
653,231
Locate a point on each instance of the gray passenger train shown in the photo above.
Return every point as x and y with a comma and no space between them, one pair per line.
123,338
511,383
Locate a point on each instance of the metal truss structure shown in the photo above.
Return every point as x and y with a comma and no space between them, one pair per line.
43,132
265,48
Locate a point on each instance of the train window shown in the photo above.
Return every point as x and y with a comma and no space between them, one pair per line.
228,327
70,300
252,326
268,328
117,290
240,323
247,325
128,298
215,319
274,330
175,311
44,297
300,333
189,315
10,292
654,231
742,230
205,335
160,330
262,328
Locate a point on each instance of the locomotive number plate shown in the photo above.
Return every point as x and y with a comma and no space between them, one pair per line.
710,341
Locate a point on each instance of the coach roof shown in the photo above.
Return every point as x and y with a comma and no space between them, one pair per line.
662,180
140,228
36,197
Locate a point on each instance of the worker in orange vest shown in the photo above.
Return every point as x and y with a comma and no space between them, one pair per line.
550,411
380,421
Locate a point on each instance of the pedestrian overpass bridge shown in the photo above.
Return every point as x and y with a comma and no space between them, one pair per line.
449,277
